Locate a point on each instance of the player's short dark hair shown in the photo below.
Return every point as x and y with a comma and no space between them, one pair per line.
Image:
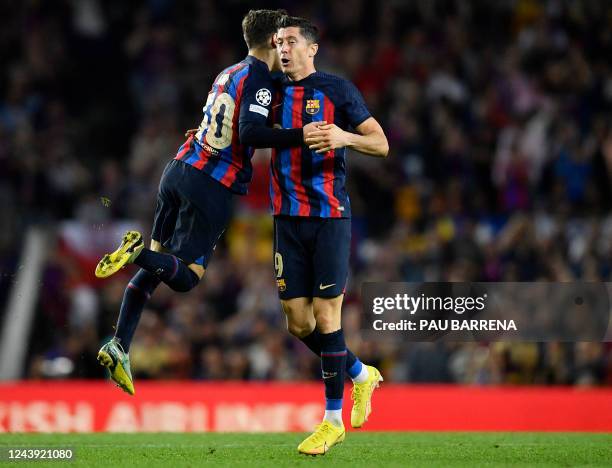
307,29
259,25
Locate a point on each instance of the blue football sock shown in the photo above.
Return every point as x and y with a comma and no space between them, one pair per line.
169,269
333,364
137,292
353,364
355,368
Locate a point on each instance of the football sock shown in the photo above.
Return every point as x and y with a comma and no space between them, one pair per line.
334,417
169,269
333,363
359,373
137,292
354,368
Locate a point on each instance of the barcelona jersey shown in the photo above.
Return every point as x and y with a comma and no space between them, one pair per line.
302,182
241,93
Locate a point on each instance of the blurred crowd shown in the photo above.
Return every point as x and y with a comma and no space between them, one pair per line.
499,118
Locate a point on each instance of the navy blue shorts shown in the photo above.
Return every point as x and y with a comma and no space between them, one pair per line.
311,256
193,210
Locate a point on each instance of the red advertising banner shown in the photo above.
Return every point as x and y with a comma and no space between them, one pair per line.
279,407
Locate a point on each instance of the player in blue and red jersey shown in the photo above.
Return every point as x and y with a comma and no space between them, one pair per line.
312,226
195,191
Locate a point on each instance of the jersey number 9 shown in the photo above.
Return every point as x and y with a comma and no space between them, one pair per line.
278,264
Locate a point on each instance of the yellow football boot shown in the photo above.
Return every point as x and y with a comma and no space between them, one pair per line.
131,245
117,361
325,436
362,397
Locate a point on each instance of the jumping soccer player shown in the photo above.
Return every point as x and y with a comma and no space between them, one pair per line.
312,226
195,191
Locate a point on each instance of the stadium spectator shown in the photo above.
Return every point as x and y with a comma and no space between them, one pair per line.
500,170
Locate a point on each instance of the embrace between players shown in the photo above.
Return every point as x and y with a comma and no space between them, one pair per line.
304,119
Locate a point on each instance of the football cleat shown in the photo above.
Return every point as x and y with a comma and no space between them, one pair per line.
325,436
117,361
362,397
131,245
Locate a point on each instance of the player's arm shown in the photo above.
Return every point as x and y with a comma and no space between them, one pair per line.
254,113
258,135
370,139
255,135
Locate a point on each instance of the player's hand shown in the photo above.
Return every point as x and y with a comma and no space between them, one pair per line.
312,127
326,138
191,132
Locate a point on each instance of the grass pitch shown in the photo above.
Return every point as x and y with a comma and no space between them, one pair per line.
371,449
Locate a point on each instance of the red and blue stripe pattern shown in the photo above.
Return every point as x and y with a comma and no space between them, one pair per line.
304,183
231,165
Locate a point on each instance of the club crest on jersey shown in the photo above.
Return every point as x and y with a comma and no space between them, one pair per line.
312,106
282,286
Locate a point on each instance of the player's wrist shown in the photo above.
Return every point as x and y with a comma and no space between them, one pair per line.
349,139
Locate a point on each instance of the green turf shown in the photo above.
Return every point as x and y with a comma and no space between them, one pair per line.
372,449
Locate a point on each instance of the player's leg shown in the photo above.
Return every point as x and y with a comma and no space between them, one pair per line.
294,276
170,269
204,207
333,361
293,267
181,225
301,324
333,355
197,269
328,341
331,264
201,207
156,246
115,354
167,267
139,290
300,318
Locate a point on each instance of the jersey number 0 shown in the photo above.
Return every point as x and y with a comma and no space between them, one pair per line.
218,127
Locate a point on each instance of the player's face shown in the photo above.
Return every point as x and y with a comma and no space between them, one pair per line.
276,66
295,52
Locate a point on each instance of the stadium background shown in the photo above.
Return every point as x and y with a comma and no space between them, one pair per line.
499,118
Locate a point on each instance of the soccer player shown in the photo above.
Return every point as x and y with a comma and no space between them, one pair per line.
312,226
195,191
